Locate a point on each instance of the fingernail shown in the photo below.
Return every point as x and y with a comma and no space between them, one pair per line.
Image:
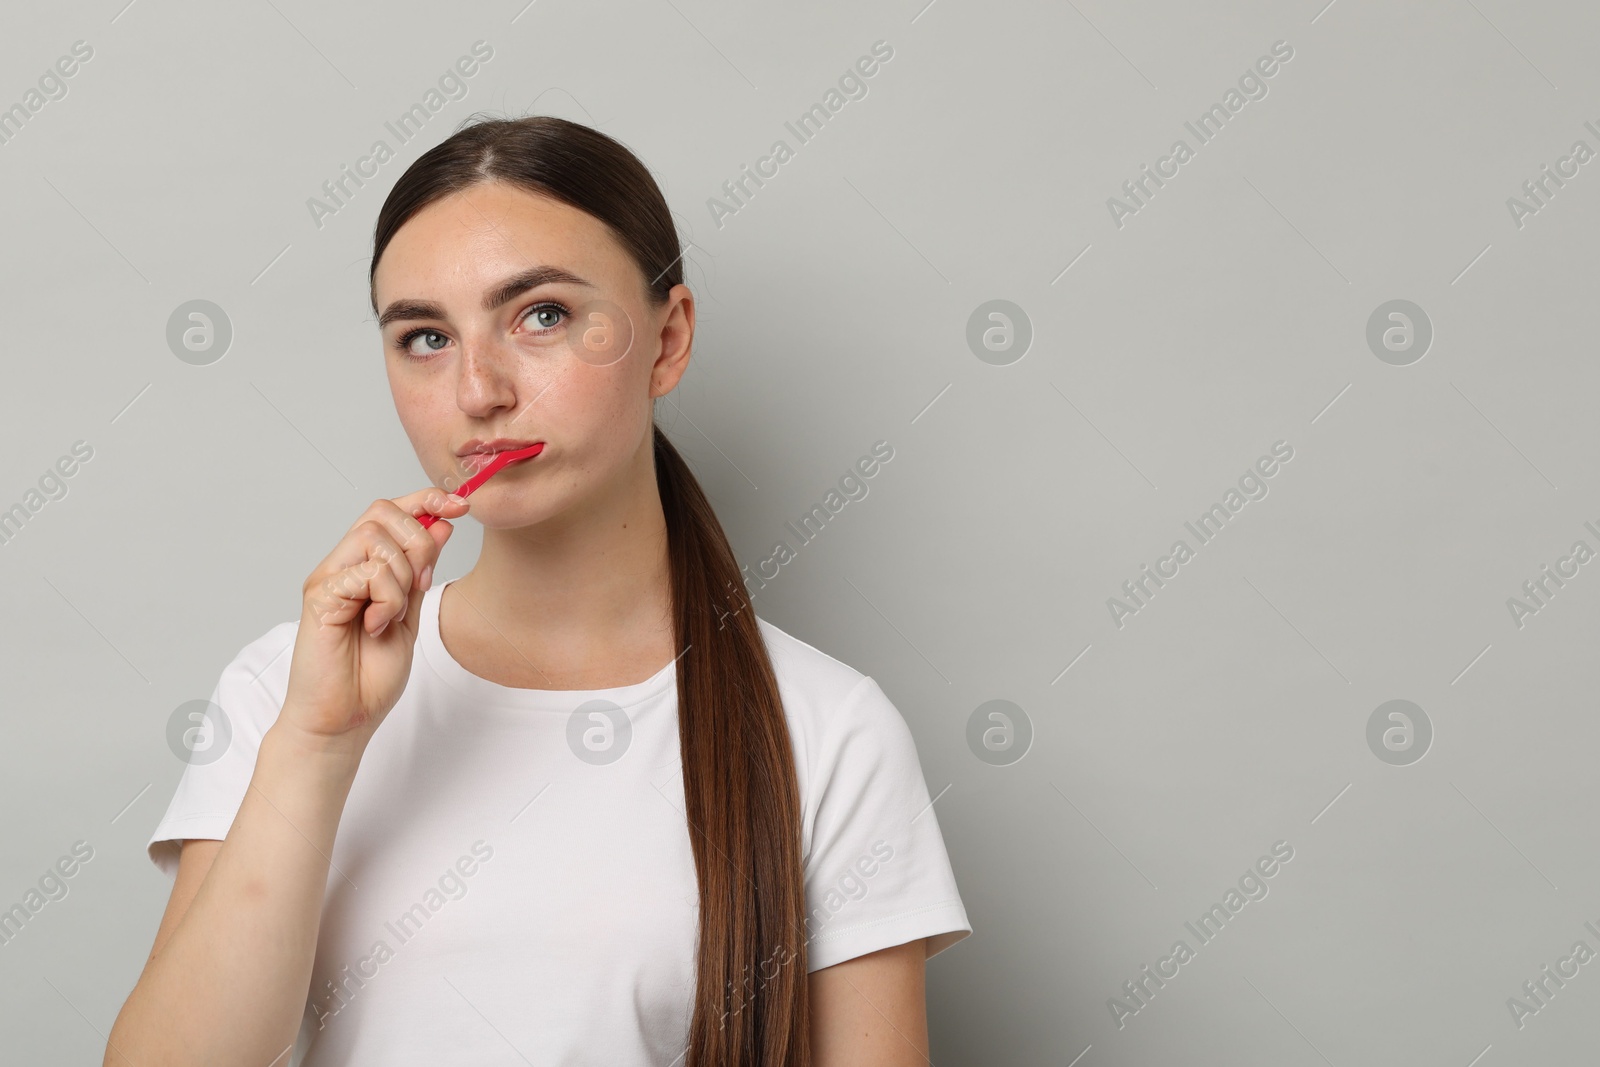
427,578
454,499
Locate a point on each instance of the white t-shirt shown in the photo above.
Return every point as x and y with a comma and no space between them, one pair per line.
512,879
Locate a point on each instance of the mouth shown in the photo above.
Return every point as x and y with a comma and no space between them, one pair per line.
476,454
473,462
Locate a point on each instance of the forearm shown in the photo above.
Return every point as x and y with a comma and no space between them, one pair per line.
230,984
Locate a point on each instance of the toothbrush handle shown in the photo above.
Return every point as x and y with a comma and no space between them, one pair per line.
467,487
489,470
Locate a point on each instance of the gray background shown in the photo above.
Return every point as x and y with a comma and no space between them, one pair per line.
1168,354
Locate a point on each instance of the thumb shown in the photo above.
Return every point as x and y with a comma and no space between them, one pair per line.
440,531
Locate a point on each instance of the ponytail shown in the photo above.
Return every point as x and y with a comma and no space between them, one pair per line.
742,796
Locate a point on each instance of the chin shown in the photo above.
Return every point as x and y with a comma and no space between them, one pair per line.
508,516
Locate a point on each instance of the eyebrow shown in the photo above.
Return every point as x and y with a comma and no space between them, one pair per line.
493,297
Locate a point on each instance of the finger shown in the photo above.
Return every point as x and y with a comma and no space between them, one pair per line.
399,517
413,612
382,546
434,501
339,596
408,580
388,592
366,551
383,518
402,518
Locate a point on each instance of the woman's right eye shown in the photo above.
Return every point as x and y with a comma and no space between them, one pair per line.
404,343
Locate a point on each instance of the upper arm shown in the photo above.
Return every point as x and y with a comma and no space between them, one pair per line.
871,1010
194,860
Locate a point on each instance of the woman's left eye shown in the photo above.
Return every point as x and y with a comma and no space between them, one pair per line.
535,314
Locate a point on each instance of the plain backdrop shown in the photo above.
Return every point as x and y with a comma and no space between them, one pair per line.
1153,346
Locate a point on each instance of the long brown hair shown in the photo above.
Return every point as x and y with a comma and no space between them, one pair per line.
739,779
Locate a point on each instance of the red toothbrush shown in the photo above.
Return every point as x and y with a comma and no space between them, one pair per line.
500,461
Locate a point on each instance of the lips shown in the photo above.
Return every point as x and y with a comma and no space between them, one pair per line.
476,461
475,454
498,444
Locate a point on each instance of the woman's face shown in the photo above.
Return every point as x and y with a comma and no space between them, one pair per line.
479,349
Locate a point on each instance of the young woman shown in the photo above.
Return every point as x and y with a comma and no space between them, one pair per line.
580,805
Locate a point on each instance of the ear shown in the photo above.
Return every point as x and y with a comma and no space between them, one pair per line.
677,338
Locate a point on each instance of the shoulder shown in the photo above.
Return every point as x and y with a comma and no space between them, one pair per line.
843,727
265,657
261,653
810,674
822,695
252,686
218,742
866,813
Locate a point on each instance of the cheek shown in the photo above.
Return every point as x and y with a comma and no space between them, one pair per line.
602,414
605,399
406,408
414,407
427,416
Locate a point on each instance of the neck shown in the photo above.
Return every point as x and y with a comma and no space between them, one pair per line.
592,579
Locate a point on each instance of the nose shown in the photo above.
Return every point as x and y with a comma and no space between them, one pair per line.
487,382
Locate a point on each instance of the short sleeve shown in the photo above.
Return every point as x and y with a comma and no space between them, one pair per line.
877,873
221,743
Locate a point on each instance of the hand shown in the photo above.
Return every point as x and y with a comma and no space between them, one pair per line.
358,624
